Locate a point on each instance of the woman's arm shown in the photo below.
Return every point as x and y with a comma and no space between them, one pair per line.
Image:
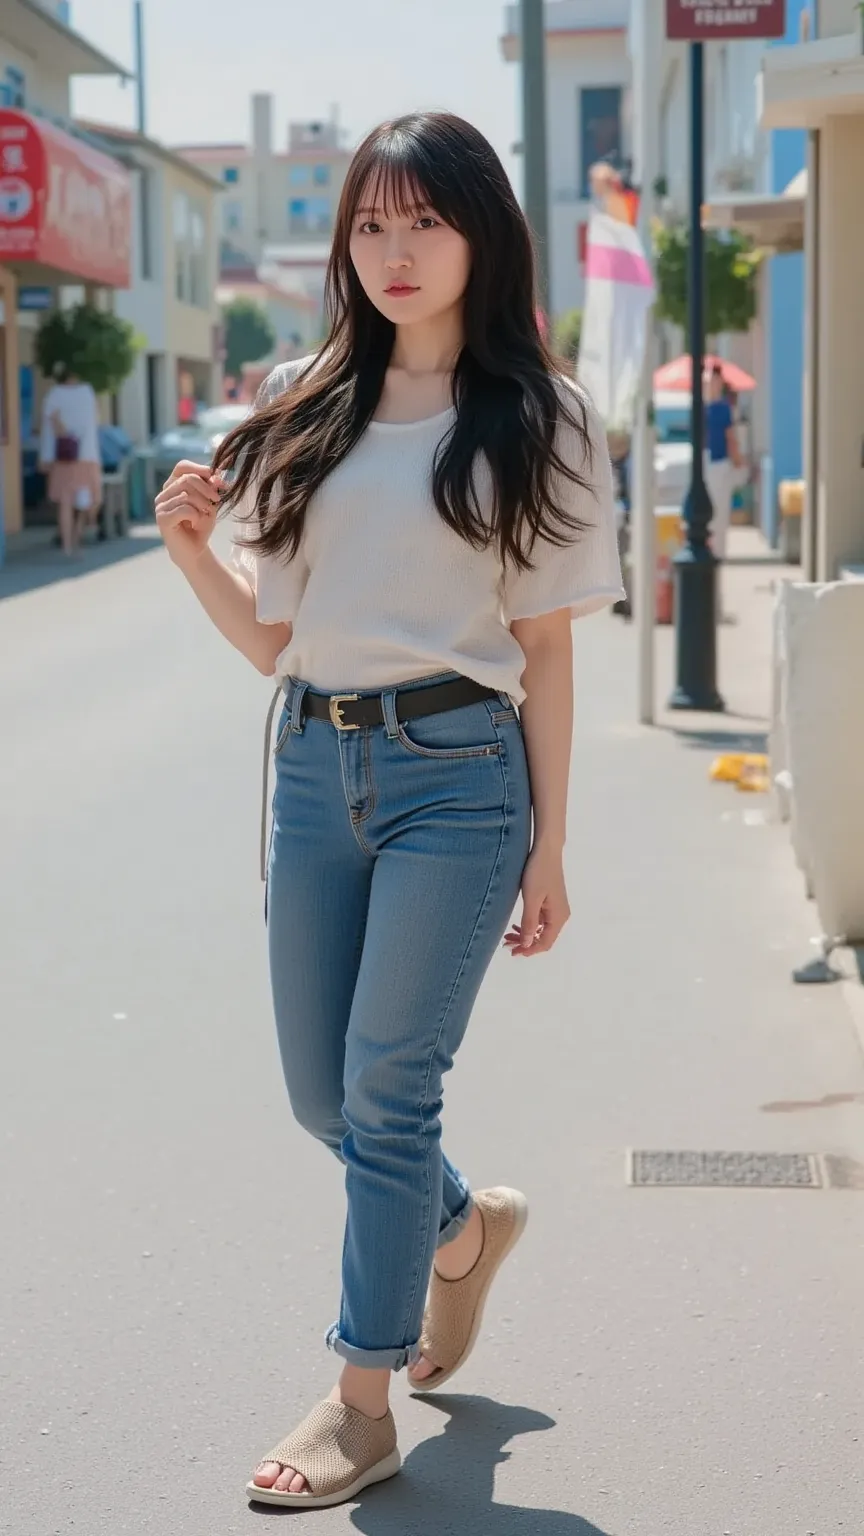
547,724
230,602
186,511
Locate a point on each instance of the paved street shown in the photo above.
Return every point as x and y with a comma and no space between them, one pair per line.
657,1362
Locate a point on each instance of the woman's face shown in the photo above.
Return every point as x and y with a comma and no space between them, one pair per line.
412,266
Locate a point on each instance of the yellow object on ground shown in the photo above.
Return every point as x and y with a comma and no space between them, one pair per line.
748,770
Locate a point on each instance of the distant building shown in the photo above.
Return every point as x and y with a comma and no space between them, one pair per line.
272,195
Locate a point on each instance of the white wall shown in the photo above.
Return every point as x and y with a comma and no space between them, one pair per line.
44,87
736,151
573,63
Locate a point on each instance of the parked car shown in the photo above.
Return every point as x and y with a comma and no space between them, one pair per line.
673,451
198,441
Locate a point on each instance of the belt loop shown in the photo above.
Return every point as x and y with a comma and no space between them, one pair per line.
300,690
388,705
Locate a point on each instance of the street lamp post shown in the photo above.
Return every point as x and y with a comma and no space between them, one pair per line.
695,565
533,31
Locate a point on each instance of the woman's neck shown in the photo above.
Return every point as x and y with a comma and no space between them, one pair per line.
430,347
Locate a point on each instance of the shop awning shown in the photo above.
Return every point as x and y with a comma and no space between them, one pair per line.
63,204
775,223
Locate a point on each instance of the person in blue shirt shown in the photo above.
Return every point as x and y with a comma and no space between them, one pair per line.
722,458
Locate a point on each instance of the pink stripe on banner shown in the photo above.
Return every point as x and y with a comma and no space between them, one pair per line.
618,266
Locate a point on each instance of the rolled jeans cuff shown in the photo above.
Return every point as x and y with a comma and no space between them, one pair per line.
370,1359
456,1225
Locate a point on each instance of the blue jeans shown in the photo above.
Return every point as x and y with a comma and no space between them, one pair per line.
395,863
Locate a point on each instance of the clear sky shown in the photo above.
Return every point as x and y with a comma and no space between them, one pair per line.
373,58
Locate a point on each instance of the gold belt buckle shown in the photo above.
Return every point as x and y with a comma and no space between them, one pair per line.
336,702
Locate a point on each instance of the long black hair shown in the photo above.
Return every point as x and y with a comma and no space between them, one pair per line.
507,390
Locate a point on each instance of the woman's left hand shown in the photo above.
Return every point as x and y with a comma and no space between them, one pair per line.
545,908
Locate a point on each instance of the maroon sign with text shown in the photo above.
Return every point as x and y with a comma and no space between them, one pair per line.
705,21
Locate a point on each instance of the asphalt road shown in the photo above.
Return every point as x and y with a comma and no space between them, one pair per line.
657,1362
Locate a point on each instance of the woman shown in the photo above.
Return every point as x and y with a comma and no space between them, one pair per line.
425,504
69,453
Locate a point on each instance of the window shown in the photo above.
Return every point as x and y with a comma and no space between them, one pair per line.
154,363
181,247
298,176
191,265
309,214
231,175
13,88
198,258
232,216
600,123
145,222
321,175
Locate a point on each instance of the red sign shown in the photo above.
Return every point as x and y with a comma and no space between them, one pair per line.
63,204
705,21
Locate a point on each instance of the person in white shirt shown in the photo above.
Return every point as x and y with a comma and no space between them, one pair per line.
69,454
423,507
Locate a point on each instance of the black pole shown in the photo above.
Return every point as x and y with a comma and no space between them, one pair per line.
695,565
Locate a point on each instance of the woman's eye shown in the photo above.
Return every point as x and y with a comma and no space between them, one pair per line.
427,222
370,228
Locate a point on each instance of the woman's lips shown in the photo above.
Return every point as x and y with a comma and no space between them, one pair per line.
400,290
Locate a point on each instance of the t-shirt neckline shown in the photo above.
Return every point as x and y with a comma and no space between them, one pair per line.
408,426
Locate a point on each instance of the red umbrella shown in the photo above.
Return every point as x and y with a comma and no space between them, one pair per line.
677,376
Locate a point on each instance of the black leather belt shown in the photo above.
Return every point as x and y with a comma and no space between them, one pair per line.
349,713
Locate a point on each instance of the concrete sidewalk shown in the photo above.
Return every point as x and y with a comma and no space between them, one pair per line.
656,1362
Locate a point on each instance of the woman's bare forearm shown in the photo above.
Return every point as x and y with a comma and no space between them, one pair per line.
547,720
229,601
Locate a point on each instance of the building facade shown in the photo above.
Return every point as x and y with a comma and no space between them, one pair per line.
588,74
65,217
275,195
172,299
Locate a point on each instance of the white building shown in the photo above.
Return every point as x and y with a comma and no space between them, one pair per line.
587,79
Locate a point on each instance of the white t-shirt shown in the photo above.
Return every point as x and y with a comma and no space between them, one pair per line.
382,592
75,405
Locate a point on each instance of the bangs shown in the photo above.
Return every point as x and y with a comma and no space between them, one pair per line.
396,179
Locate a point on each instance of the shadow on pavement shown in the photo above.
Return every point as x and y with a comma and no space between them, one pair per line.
447,1485
41,565
722,741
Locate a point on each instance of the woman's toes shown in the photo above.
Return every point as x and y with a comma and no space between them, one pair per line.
266,1474
290,1481
422,1370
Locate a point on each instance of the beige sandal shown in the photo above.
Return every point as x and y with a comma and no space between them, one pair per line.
454,1314
339,1451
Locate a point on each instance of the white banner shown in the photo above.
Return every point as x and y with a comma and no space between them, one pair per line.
619,295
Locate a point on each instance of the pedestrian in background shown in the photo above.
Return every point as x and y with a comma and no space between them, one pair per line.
69,454
722,458
424,507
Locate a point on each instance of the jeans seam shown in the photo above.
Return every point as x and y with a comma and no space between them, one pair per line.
505,815
373,796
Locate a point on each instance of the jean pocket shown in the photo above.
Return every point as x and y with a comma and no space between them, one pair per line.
454,733
284,731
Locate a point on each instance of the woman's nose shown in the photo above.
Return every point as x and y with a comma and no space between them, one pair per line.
397,256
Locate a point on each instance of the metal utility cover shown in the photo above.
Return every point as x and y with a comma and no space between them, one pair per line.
730,1170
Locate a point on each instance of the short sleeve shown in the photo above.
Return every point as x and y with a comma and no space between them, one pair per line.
585,574
278,584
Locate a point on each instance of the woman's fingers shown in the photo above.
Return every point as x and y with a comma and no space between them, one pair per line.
202,493
186,467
